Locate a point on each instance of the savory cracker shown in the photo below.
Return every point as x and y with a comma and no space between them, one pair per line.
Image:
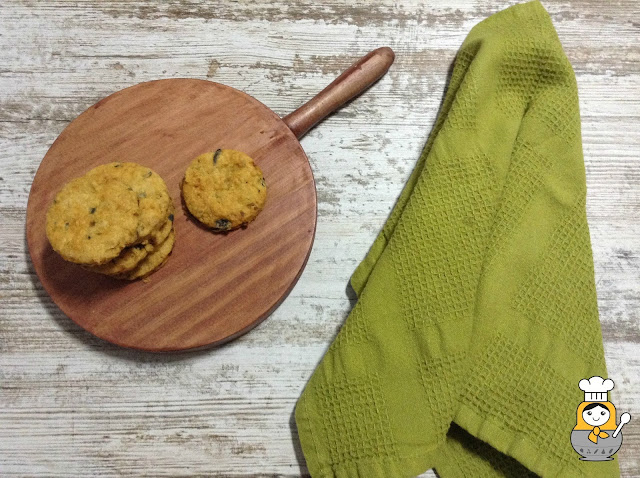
128,260
92,219
158,236
156,259
224,189
131,256
151,191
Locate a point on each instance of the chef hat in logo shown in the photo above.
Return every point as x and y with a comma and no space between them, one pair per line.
595,389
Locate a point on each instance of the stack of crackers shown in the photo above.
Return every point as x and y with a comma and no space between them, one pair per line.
116,220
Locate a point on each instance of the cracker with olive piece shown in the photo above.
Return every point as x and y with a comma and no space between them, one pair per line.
131,256
154,260
150,189
92,219
224,189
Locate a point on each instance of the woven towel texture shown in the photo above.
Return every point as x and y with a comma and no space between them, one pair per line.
476,303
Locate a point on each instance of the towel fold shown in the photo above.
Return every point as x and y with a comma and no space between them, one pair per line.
476,315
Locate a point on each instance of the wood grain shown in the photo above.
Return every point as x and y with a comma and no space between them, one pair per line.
218,286
347,86
214,286
73,405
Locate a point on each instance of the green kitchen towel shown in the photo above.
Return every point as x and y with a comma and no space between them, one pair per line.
476,315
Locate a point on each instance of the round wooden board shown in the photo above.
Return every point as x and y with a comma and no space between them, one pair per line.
214,287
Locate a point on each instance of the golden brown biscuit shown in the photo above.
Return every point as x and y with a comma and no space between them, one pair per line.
92,219
131,256
224,189
154,261
158,236
152,193
128,260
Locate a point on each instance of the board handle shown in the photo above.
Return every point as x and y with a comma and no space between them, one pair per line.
353,81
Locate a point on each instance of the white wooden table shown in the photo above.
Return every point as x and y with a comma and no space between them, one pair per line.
72,405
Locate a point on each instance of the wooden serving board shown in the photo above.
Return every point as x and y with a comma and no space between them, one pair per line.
214,286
